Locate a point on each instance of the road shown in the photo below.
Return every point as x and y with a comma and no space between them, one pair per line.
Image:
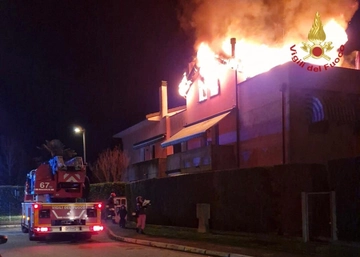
18,245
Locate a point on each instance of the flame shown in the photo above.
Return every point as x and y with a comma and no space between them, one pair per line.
254,58
265,31
184,85
209,68
336,33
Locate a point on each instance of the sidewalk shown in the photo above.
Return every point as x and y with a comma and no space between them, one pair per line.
209,244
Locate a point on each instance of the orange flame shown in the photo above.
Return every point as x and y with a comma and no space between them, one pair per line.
258,58
254,58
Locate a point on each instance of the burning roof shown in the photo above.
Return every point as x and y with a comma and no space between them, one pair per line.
265,31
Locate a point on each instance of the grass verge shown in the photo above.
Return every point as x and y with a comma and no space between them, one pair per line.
268,242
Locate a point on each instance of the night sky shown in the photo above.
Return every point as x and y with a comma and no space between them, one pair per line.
97,64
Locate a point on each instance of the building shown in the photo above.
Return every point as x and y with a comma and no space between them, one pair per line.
286,115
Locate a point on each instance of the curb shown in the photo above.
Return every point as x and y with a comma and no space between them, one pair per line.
9,226
174,247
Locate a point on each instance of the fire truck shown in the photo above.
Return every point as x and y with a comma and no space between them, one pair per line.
54,201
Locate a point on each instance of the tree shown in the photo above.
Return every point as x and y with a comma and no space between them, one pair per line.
12,161
110,165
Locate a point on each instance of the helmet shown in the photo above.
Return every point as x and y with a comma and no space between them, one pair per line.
112,194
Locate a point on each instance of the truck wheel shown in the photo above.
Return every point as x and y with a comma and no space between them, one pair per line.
32,236
24,229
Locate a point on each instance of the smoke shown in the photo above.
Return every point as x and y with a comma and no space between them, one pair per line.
270,22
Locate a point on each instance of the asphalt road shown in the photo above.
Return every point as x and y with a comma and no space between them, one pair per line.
18,245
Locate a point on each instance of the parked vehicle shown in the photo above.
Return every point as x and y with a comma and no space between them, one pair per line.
3,239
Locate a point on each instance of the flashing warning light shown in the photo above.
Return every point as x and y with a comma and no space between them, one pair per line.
98,206
36,206
42,229
97,228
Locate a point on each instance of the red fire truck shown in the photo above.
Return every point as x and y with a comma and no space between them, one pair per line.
53,202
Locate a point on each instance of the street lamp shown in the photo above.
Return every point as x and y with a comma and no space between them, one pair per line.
82,130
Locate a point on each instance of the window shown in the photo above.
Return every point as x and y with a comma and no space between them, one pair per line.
153,151
318,122
142,154
91,213
202,90
44,214
177,148
317,110
214,87
210,86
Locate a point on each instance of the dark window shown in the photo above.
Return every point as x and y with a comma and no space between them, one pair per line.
44,214
317,110
91,213
177,148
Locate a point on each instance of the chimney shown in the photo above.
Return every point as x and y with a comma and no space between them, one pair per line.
233,43
163,99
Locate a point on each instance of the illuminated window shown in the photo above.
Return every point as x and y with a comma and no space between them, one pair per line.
202,90
214,87
205,85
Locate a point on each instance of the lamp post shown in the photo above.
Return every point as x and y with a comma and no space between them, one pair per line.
82,130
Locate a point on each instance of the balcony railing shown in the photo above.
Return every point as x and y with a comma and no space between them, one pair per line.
211,157
154,168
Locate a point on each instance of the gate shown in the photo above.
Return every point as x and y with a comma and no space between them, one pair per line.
318,216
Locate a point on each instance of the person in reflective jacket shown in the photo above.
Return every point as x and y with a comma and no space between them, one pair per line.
141,214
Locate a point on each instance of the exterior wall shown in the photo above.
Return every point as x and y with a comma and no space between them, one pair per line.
144,164
227,130
260,116
263,141
143,131
335,136
261,119
177,122
225,100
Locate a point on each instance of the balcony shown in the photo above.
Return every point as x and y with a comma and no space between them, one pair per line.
154,168
211,157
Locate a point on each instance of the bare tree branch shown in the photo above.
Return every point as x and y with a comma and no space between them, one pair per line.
12,159
110,165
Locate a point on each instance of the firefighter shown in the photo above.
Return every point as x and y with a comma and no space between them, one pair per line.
141,206
111,206
122,213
